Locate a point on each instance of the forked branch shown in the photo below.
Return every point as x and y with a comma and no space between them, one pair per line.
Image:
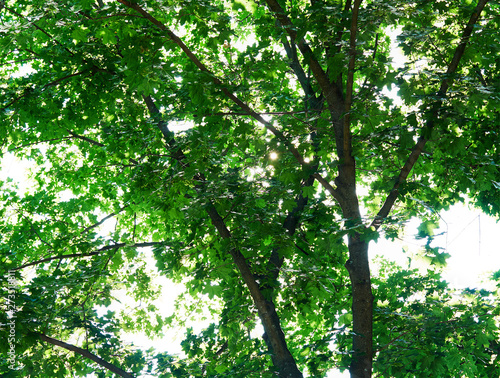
281,356
332,93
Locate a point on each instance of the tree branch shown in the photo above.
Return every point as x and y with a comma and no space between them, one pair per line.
281,356
305,83
87,229
174,38
84,353
84,138
94,142
77,255
346,151
332,92
55,82
42,30
434,114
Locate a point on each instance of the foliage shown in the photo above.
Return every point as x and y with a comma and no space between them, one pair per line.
224,141
425,326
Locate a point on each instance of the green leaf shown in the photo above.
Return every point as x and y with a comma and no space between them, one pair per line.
80,34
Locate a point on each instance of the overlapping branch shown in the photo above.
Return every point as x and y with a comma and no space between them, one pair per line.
332,92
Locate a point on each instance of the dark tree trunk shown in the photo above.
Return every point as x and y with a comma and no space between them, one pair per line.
362,307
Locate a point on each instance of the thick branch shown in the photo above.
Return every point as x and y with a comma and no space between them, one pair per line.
85,353
332,92
434,114
346,152
281,356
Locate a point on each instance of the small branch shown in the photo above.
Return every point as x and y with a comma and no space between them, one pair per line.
481,77
84,138
87,229
260,113
135,226
117,15
78,255
35,143
42,30
13,101
16,62
327,186
95,143
459,52
413,331
39,237
55,82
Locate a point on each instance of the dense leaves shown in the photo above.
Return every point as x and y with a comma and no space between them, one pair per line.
249,150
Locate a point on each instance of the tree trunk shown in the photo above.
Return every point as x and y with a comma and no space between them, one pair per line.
362,307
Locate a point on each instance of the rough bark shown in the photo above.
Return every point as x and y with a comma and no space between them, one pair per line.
362,308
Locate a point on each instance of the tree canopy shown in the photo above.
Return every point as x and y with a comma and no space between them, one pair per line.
256,148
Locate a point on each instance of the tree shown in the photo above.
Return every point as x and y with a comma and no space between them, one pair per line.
257,206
